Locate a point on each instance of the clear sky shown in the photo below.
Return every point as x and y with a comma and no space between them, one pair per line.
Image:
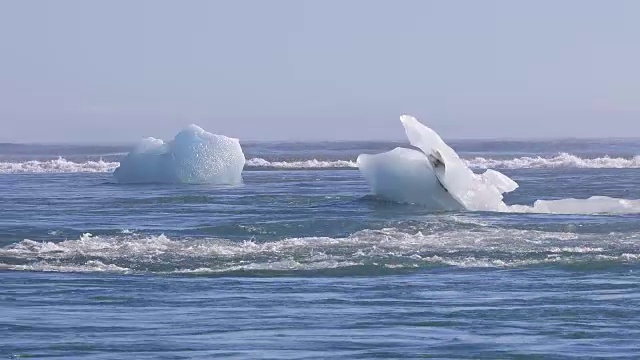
119,70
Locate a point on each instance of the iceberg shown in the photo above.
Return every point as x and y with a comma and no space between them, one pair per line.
404,175
415,176
434,176
592,205
194,156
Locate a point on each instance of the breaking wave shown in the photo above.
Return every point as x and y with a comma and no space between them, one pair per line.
300,164
562,160
62,165
59,165
387,249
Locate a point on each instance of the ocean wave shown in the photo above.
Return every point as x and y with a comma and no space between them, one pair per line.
387,249
300,164
59,165
563,160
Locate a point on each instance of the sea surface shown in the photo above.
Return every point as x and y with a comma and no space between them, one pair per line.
302,262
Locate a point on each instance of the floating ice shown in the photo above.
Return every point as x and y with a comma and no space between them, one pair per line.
592,205
502,182
405,175
194,156
413,176
408,176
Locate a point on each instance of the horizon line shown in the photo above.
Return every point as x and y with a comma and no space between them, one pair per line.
311,141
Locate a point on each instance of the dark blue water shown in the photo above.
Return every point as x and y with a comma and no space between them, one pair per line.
304,263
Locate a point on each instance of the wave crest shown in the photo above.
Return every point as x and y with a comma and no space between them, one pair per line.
562,160
300,164
59,165
390,248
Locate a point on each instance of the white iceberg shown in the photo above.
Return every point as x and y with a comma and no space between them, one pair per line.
434,176
407,175
194,156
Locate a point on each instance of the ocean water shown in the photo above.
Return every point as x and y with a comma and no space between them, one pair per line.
302,262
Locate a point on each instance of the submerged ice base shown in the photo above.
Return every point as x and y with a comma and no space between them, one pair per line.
194,156
408,176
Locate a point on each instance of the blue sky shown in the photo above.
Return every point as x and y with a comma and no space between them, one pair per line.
105,71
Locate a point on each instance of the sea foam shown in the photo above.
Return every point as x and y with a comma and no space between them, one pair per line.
391,248
59,165
562,160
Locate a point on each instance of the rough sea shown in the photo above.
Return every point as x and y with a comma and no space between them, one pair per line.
302,262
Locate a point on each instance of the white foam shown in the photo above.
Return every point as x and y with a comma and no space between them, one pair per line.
59,165
301,164
284,265
87,267
562,160
193,156
62,165
485,246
